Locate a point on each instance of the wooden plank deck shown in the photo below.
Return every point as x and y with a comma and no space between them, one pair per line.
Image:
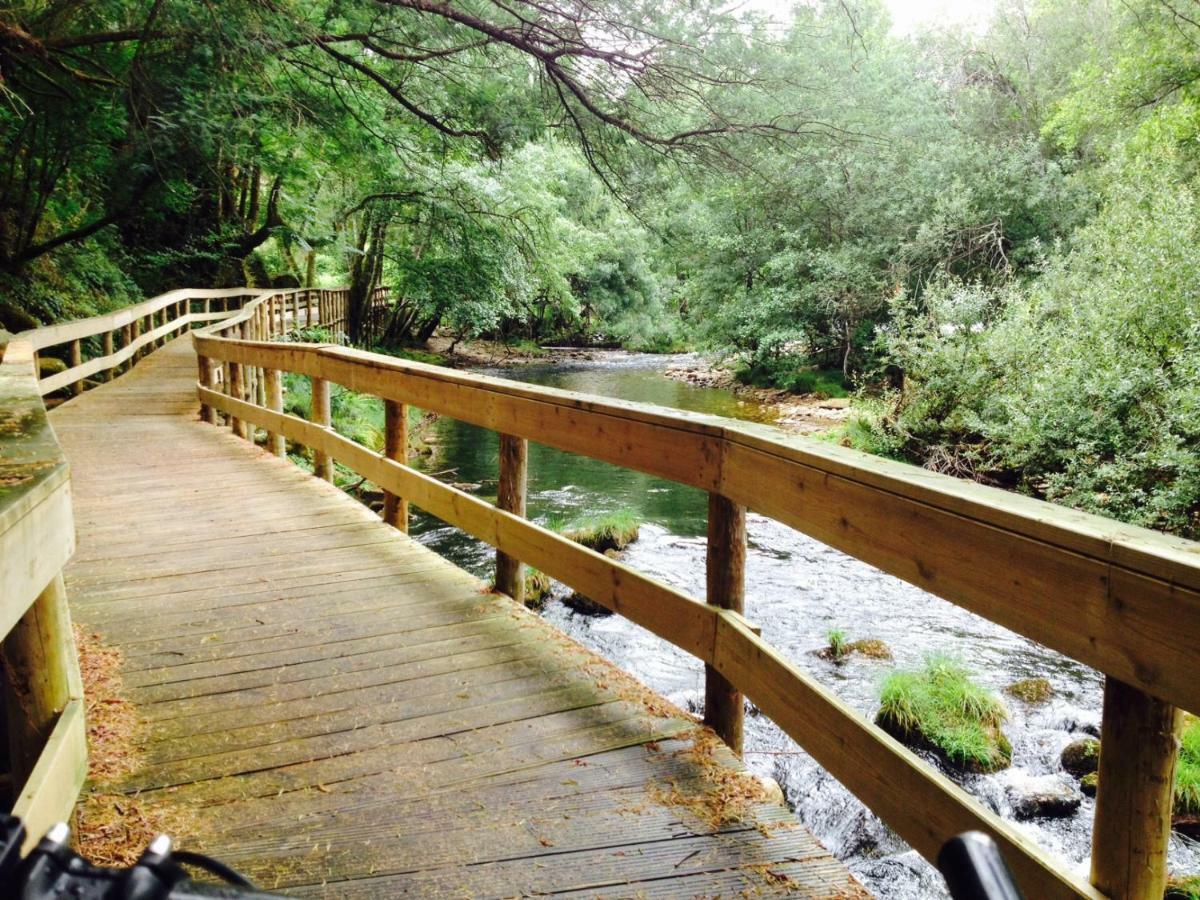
332,708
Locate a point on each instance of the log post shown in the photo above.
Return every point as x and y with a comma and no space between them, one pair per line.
76,360
237,390
273,379
321,415
510,496
108,352
395,427
208,380
726,571
126,340
41,674
1139,742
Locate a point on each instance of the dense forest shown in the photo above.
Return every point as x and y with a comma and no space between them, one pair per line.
989,236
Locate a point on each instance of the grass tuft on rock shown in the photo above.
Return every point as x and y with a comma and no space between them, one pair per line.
1031,690
939,708
537,588
1187,770
1187,888
609,531
840,648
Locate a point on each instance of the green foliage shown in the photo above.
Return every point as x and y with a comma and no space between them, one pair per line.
837,643
940,707
1187,770
793,374
1183,888
1080,386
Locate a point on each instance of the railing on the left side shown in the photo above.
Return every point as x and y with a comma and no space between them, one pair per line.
43,718
43,694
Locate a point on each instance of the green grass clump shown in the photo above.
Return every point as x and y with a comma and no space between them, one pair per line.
837,643
1187,770
1183,888
940,708
608,531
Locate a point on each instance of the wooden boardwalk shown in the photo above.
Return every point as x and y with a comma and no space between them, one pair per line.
337,711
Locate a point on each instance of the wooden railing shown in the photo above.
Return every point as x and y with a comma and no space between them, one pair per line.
43,695
1123,600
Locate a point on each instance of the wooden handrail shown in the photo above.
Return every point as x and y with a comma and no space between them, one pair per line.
1122,599
40,676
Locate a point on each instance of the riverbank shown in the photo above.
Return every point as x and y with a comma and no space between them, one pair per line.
497,354
798,413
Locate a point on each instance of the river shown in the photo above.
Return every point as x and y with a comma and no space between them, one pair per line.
797,590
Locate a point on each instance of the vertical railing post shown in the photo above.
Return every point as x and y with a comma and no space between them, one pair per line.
395,432
726,570
207,379
1139,742
273,379
76,360
137,334
108,351
42,675
321,415
237,391
510,496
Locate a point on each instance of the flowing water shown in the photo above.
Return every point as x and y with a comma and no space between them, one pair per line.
797,590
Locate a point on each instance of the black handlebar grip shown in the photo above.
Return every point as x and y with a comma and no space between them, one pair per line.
974,869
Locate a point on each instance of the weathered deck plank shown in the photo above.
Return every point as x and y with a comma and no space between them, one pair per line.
338,711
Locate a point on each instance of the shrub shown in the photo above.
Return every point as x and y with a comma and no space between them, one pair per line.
940,708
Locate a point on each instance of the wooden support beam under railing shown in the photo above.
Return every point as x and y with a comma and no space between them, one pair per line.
76,362
1139,743
726,580
322,415
41,676
273,380
510,497
108,351
395,429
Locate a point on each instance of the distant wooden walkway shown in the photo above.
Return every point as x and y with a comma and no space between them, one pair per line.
334,709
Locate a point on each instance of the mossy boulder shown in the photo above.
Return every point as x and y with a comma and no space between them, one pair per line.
1081,757
1089,783
941,709
1031,690
612,531
839,649
50,365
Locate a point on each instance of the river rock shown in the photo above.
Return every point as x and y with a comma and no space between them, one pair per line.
586,606
1081,757
49,365
1048,797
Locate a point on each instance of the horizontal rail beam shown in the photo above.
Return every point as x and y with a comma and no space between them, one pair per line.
1120,599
